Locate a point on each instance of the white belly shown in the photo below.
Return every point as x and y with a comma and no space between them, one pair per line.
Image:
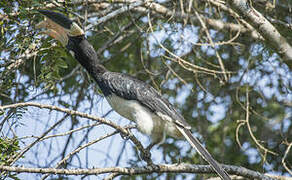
147,122
121,106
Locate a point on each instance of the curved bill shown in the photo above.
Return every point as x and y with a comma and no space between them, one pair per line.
58,18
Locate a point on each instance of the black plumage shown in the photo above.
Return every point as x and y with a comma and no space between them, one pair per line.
130,97
122,85
130,88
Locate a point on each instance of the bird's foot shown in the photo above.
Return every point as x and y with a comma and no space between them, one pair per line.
146,155
148,148
125,136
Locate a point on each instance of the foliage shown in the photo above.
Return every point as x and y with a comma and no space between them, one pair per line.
8,148
174,55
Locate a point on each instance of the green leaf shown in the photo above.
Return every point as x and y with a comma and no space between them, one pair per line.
62,64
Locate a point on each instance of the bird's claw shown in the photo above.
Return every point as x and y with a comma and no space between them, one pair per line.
146,155
125,136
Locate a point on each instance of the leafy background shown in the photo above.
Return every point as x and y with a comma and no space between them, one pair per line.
146,44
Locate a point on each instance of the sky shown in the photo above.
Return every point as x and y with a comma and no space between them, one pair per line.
105,153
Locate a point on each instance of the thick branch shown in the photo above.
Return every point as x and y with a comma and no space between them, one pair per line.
116,13
161,10
267,30
162,168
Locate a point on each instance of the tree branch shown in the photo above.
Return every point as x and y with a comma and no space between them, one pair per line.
115,13
267,30
145,153
161,10
162,168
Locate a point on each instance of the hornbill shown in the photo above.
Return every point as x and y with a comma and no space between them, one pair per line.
128,96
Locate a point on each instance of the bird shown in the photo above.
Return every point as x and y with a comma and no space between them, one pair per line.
130,97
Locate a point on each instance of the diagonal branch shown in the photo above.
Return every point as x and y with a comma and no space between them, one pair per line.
115,13
264,27
158,9
145,153
213,45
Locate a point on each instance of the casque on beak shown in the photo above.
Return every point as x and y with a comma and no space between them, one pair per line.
59,26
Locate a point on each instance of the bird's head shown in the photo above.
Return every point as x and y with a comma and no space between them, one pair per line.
59,27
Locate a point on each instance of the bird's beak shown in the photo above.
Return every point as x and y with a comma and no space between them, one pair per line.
59,26
58,18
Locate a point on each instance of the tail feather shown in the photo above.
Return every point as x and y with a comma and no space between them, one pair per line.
195,143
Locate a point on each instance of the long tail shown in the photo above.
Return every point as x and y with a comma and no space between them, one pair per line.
195,143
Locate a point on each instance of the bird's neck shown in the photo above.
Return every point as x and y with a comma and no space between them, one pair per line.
85,54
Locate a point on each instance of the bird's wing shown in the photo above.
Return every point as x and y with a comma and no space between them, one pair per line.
131,88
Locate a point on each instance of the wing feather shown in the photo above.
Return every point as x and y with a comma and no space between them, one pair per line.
130,88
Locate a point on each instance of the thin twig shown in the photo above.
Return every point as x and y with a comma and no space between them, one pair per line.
125,132
79,149
249,128
213,45
284,157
